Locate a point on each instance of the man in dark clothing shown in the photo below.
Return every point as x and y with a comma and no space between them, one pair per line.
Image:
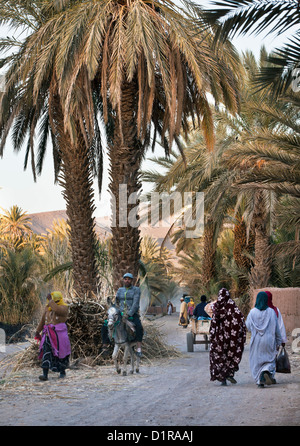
199,310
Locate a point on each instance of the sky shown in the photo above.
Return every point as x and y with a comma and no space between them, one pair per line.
17,186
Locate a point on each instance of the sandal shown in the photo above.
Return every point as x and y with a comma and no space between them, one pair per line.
231,379
267,378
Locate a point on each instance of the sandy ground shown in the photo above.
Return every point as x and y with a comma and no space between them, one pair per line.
169,392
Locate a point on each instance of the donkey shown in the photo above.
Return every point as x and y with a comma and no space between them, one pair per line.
118,331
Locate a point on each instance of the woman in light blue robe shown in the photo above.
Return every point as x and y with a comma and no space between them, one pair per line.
265,341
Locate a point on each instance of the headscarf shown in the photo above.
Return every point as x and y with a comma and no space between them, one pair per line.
261,301
223,295
270,302
58,298
220,307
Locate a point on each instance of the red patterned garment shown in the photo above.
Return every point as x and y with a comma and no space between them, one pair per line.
228,336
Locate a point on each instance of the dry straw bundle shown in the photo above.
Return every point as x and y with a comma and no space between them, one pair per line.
85,321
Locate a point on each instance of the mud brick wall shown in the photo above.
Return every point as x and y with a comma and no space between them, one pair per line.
288,302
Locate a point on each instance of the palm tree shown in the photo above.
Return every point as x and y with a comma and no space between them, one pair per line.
149,63
220,176
269,151
32,99
244,242
274,153
15,226
16,222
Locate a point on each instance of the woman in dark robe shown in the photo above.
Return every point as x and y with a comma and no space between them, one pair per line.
228,336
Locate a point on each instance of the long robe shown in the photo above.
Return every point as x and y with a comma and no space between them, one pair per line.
55,347
183,312
227,336
265,338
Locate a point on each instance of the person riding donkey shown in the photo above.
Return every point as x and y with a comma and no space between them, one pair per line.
128,299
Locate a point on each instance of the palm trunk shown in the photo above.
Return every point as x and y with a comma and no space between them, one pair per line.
260,273
125,155
242,246
76,181
209,253
78,193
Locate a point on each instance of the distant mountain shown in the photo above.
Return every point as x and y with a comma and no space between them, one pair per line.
43,221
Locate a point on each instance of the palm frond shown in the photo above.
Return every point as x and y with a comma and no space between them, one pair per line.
58,269
279,76
255,16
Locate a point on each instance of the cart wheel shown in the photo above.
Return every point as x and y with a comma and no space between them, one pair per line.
190,342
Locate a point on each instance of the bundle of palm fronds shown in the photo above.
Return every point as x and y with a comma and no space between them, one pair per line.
86,318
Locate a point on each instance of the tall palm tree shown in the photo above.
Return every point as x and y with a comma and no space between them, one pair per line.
149,63
249,122
32,100
258,159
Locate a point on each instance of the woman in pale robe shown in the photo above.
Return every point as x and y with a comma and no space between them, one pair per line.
183,312
265,340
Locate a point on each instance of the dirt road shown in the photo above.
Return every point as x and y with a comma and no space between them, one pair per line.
173,392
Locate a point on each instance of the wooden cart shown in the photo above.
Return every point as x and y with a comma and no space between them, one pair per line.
199,328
